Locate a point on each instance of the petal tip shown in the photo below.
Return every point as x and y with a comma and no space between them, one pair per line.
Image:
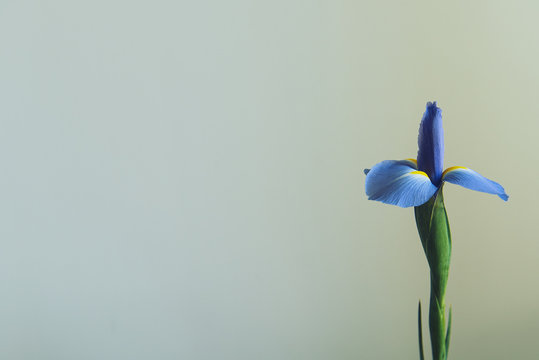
433,105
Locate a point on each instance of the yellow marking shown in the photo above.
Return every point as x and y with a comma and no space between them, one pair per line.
412,160
451,169
419,173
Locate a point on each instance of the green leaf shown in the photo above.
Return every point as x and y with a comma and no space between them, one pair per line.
433,228
420,332
448,334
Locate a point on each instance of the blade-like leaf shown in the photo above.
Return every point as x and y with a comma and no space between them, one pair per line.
420,332
448,334
433,228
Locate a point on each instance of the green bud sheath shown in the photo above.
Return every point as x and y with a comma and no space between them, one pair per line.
433,227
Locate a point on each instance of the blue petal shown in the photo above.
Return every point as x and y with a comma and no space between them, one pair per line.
430,157
398,183
472,180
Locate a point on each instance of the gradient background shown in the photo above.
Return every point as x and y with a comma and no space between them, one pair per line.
184,180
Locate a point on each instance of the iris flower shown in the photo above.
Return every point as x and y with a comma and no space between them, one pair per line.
413,182
419,183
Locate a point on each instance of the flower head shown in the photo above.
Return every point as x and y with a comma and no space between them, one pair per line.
413,182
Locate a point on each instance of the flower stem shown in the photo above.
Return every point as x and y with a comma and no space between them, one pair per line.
433,227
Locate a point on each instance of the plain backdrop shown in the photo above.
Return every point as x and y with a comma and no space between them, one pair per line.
184,179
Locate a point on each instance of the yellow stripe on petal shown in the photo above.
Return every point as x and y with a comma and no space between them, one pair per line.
412,160
451,169
419,173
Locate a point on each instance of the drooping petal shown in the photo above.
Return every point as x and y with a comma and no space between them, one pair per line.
430,157
472,180
398,183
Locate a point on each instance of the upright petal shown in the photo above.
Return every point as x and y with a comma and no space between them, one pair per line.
472,180
430,157
398,183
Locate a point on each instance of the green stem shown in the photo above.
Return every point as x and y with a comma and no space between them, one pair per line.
433,227
437,322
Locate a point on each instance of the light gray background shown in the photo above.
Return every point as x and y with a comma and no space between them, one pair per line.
184,180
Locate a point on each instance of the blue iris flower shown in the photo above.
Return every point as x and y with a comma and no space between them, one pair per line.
413,182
